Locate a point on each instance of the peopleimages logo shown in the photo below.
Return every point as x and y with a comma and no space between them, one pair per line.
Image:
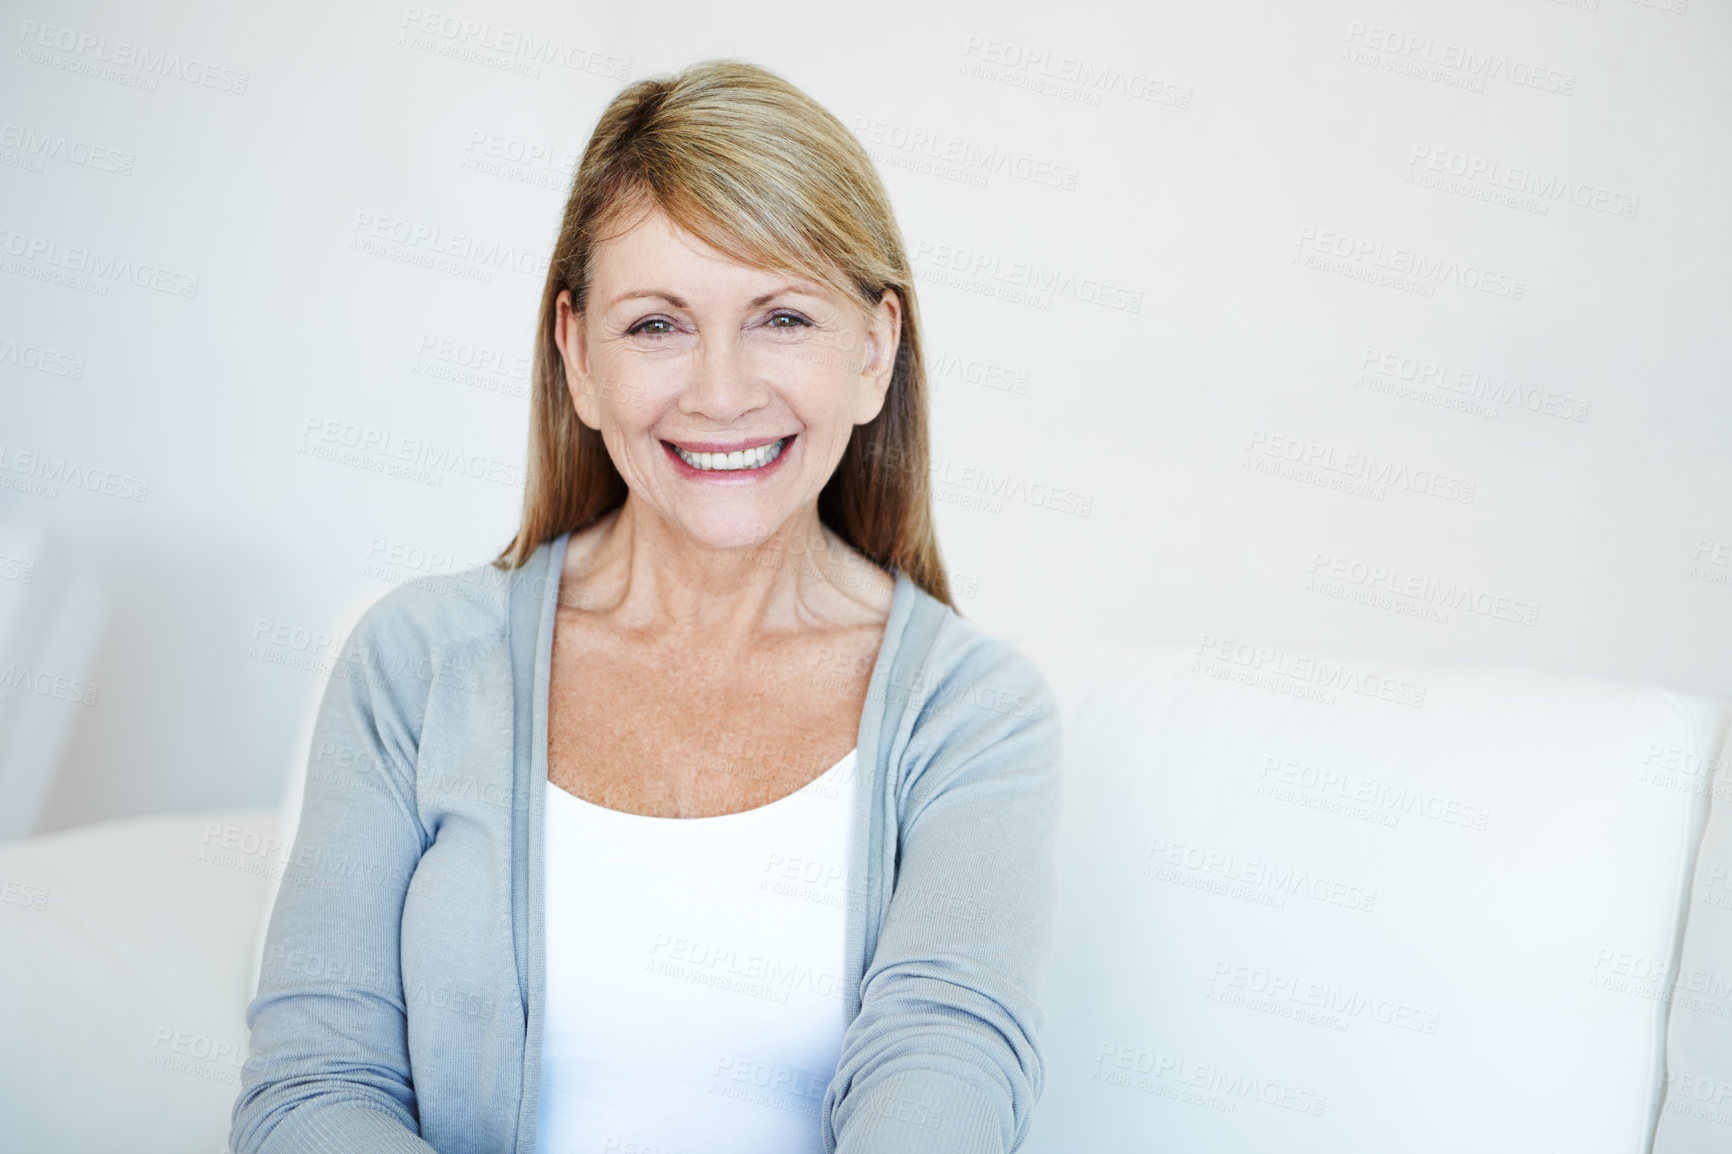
966,155
41,473
1415,49
1358,468
1211,1086
1372,254
1047,282
1428,590
45,253
474,39
1335,1001
45,683
1009,487
1470,384
39,145
414,458
1284,774
1269,667
1544,187
86,51
40,359
1064,76
418,243
1257,874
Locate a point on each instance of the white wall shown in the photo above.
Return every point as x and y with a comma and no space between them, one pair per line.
1242,172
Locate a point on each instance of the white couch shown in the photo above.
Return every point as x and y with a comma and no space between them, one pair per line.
53,611
1306,905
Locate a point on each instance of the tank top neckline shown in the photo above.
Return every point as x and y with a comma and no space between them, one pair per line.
623,815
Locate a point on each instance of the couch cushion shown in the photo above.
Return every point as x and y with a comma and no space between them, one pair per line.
124,949
53,610
1314,905
1697,1114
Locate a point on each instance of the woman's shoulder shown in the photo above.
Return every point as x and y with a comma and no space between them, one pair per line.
439,610
974,707
962,662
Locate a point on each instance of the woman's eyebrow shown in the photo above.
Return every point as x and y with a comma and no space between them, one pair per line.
796,289
679,302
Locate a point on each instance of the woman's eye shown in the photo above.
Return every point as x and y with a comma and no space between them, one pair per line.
799,321
643,326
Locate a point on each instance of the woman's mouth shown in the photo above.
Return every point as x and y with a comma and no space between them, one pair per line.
739,461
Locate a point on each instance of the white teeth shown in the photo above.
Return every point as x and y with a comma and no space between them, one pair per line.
728,462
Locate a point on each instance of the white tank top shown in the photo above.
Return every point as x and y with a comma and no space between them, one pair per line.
694,974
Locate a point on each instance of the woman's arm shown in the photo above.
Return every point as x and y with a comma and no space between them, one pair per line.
943,1055
329,1062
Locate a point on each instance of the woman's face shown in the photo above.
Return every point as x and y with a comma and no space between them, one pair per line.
726,394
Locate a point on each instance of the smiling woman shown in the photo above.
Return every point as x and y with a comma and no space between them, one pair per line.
731,176
739,364
776,874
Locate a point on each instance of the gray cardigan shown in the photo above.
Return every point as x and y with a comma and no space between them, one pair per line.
399,1005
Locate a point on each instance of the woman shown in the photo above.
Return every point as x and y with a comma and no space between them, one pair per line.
718,829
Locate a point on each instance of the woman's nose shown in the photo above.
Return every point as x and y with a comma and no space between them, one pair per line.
724,382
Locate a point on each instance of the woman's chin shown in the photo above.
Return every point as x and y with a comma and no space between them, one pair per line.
728,528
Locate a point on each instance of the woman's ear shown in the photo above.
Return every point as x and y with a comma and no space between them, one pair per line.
883,338
573,344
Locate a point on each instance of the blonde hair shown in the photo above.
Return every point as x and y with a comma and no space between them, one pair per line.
745,161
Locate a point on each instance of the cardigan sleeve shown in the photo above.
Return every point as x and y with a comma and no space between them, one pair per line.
944,1054
328,1068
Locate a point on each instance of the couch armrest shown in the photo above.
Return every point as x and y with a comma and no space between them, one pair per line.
125,948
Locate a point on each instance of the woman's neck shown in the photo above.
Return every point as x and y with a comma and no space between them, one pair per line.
646,575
